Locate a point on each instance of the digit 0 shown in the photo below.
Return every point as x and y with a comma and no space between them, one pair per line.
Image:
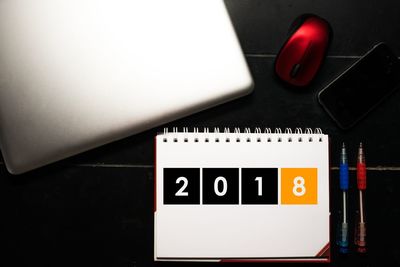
299,189
224,186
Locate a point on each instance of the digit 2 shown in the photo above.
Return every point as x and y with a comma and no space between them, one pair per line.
181,186
220,186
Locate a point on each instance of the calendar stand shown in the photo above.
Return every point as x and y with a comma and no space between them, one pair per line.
234,196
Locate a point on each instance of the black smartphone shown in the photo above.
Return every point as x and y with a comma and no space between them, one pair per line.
359,89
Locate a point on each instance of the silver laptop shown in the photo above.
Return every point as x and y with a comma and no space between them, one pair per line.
76,74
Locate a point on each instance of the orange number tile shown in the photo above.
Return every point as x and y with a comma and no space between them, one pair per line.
299,186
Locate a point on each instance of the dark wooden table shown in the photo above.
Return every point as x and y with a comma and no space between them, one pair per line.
95,209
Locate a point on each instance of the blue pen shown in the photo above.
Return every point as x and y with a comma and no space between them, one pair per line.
343,228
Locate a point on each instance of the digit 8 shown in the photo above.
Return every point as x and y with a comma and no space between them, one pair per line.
299,183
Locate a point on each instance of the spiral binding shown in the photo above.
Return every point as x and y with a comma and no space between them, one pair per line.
226,135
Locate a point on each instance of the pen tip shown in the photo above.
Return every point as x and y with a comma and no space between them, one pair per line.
343,145
361,145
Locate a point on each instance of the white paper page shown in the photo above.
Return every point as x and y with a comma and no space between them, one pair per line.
242,230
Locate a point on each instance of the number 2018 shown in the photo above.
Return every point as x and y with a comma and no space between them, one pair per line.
221,186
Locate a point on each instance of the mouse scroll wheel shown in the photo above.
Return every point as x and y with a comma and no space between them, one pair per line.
295,70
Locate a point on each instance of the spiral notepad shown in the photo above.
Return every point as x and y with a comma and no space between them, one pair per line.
242,195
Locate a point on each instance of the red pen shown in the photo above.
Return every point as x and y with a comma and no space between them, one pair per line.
361,230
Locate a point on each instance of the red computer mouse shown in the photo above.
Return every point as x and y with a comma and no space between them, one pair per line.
301,56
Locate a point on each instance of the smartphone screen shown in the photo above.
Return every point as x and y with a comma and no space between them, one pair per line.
362,87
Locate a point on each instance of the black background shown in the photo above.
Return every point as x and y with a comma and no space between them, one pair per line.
269,186
192,187
96,209
232,189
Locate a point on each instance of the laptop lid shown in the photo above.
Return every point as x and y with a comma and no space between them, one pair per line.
76,74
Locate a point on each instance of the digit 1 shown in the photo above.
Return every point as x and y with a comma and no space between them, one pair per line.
259,182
